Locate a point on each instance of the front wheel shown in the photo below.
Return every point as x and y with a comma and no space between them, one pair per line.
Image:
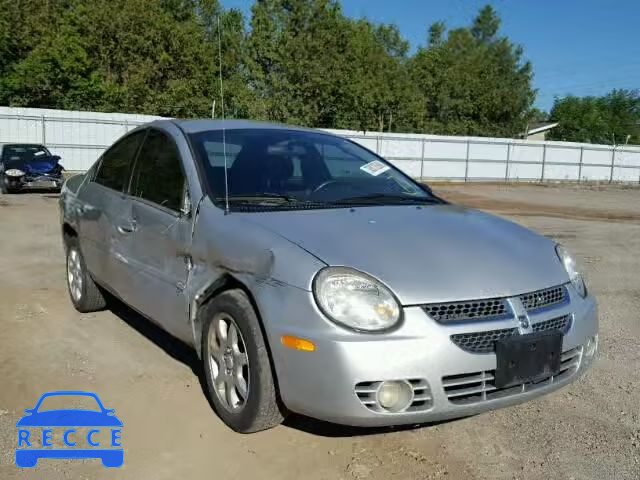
237,367
4,186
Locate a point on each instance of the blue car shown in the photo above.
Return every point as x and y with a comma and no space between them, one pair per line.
104,418
26,166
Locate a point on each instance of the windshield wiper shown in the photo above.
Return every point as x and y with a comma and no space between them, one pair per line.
388,198
261,197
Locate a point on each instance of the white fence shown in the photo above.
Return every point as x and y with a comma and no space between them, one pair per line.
80,137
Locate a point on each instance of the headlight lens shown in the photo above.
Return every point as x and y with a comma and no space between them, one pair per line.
14,172
569,264
356,300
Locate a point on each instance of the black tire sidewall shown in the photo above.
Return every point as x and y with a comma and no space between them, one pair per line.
260,376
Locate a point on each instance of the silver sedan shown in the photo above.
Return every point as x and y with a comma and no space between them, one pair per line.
312,276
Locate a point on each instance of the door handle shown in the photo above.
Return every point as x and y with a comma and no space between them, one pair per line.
128,228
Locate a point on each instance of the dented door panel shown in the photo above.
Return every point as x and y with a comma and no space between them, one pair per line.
158,260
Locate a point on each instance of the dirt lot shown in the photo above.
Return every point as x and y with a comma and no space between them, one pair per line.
588,430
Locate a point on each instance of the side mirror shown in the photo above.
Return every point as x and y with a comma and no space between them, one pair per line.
28,410
57,158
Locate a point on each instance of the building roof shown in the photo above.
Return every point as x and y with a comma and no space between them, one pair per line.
540,127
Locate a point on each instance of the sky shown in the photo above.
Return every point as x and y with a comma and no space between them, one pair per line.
579,47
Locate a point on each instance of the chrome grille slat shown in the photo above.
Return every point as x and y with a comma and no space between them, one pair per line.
483,376
470,391
484,390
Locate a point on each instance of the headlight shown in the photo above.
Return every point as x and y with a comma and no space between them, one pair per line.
354,299
14,172
569,264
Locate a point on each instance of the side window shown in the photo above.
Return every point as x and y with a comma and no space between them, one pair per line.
158,176
116,162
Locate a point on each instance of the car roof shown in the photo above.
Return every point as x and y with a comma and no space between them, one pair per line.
195,126
15,144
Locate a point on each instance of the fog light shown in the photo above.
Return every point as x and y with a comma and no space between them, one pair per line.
395,396
591,346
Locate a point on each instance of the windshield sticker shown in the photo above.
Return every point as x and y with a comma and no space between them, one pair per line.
375,168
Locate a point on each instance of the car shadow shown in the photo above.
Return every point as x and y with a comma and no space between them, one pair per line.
173,347
333,430
183,353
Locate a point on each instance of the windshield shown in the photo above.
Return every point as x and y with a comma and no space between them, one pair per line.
16,155
69,402
297,167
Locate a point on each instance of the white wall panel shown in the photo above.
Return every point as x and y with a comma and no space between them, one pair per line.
487,151
599,156
562,155
80,137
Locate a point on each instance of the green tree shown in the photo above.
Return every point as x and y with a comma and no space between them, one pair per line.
474,82
610,119
296,60
303,62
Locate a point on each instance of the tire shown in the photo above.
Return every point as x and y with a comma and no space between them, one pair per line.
258,409
84,293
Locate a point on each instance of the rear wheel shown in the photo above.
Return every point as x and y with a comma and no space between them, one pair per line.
237,367
85,294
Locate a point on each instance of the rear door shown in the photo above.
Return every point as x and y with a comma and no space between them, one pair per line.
158,250
106,212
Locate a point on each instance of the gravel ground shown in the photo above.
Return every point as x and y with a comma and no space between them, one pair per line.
589,430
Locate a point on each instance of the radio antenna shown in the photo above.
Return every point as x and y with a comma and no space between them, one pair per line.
224,139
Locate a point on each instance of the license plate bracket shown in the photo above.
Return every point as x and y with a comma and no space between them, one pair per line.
527,358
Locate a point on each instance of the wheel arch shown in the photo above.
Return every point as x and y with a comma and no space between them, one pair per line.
224,283
68,231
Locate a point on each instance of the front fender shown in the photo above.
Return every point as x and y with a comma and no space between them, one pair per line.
228,247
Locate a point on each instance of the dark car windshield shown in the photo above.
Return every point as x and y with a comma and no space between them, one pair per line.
292,167
15,155
69,402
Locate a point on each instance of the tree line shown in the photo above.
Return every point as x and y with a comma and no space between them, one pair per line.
293,61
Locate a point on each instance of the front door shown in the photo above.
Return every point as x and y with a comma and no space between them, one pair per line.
158,249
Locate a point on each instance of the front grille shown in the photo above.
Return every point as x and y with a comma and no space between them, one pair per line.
493,308
463,311
485,342
560,323
422,399
544,298
481,342
480,386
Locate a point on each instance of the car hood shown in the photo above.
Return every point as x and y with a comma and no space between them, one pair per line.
69,418
45,164
425,254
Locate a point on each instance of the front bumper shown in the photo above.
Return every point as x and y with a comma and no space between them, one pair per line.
335,382
37,181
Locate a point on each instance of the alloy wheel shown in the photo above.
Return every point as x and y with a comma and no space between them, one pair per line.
74,274
229,363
